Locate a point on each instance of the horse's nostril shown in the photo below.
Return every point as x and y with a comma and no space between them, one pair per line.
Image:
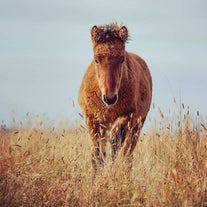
110,101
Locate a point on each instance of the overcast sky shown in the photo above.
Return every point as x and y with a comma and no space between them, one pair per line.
45,48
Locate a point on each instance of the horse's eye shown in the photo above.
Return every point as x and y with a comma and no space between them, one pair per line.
96,61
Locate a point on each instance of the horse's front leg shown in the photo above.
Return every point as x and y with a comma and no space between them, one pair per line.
117,140
118,135
132,137
98,154
124,135
97,135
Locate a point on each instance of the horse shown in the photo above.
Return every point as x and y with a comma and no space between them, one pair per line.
115,94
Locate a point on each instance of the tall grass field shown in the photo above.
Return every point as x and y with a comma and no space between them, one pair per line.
43,165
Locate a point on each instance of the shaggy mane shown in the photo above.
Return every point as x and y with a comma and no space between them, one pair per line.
109,32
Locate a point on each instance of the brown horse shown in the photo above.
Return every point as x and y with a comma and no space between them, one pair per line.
115,93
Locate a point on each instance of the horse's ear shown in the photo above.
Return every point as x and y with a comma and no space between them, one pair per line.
123,34
95,34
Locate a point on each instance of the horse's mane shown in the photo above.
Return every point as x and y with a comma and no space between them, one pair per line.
109,32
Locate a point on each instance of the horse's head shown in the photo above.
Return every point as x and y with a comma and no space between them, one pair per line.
109,56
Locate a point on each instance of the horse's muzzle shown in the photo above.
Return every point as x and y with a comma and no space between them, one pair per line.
110,101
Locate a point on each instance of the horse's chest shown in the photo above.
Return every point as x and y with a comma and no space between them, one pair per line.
108,115
105,115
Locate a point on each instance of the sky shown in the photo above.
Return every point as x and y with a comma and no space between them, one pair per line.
45,48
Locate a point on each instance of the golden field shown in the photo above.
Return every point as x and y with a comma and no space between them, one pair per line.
43,165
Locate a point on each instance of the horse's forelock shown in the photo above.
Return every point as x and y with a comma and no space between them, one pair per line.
106,49
108,33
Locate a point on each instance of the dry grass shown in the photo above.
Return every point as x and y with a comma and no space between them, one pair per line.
51,167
